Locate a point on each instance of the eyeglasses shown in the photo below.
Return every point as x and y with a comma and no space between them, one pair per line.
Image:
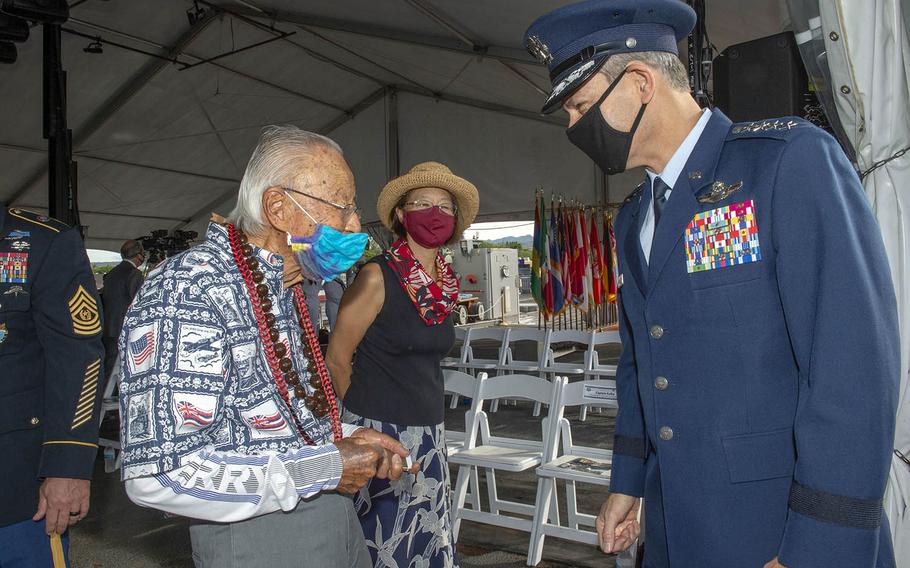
348,211
422,204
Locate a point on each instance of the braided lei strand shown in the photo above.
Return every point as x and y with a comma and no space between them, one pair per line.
324,400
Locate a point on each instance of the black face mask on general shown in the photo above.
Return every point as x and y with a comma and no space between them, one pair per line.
608,147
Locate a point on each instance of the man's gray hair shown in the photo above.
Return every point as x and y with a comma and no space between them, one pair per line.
667,64
279,157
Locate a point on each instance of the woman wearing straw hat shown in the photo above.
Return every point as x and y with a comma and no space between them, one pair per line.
396,315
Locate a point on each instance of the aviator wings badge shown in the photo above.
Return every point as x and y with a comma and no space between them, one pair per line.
719,191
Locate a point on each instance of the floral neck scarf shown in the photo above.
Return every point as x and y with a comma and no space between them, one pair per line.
434,301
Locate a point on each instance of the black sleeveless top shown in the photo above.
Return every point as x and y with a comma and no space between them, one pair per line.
396,376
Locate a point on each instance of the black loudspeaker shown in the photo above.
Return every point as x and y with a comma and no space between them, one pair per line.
13,29
8,52
762,78
40,11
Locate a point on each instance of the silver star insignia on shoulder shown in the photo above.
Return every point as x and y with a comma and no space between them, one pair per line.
765,125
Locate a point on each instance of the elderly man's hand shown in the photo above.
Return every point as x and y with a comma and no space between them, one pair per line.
63,502
360,461
394,454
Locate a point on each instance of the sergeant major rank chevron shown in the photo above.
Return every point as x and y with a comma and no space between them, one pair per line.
84,312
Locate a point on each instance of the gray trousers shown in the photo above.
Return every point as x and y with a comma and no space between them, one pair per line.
322,532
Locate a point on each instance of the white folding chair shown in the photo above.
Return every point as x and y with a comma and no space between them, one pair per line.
571,463
457,384
462,337
595,369
511,364
515,365
110,403
492,337
461,341
463,384
556,348
501,453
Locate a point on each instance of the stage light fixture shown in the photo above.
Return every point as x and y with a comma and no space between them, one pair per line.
13,29
8,52
194,14
95,47
40,11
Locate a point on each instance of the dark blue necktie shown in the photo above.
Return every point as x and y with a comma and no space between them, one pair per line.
660,199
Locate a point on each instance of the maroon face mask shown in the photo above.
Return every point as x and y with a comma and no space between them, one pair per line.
431,228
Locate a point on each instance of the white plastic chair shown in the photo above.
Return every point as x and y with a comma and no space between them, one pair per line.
573,464
501,453
462,335
596,368
461,341
476,364
512,365
463,384
458,384
559,337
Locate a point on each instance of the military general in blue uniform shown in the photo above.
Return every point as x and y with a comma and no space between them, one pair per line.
759,374
50,380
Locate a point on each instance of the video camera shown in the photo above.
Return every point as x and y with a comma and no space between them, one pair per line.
160,245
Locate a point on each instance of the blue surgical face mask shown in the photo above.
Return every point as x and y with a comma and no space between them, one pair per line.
327,253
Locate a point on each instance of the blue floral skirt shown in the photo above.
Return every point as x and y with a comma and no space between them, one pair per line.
408,523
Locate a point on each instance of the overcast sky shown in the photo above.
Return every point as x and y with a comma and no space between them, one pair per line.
492,231
95,255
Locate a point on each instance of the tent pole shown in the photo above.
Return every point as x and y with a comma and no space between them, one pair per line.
393,165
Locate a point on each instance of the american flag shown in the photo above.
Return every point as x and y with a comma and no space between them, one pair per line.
270,423
142,348
193,416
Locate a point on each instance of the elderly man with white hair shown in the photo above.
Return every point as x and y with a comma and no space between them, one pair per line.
228,414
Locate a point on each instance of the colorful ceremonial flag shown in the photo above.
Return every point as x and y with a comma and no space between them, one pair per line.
536,256
580,295
566,255
586,261
575,256
613,272
555,261
545,288
596,262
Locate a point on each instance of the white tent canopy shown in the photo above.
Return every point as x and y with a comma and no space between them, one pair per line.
395,82
872,79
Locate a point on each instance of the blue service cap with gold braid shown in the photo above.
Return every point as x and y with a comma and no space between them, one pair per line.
574,41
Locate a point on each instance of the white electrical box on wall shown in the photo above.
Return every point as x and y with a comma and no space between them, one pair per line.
491,274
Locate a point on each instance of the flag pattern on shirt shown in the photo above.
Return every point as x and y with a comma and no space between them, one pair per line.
142,348
192,415
270,423
722,237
